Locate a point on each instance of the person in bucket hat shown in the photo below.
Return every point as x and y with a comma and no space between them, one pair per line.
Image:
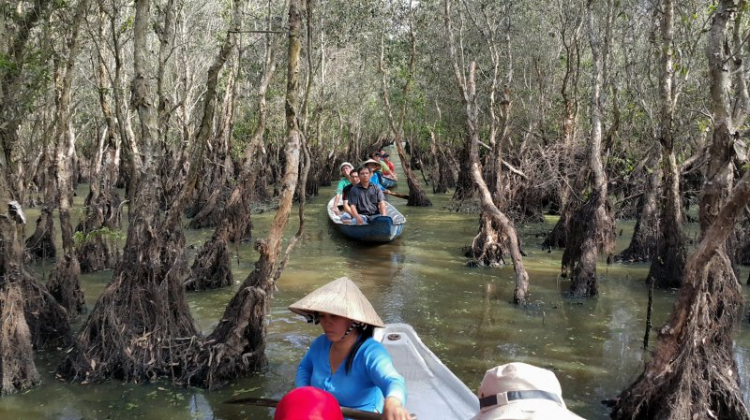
345,168
345,360
519,391
308,403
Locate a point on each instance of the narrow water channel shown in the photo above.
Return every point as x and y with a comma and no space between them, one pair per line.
462,314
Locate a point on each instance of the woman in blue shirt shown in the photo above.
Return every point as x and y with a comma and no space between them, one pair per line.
345,360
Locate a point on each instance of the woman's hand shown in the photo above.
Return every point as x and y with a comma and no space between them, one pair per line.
393,410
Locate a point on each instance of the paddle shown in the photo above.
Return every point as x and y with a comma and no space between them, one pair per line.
349,413
404,196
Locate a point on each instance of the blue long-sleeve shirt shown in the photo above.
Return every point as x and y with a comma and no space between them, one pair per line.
375,179
371,379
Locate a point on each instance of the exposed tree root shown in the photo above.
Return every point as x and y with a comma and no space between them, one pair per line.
488,246
141,325
693,374
47,320
237,345
41,244
63,284
591,232
17,369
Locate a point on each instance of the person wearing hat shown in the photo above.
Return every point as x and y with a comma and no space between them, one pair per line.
344,168
308,403
519,391
374,167
345,360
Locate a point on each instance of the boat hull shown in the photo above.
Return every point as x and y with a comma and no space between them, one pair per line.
432,390
380,229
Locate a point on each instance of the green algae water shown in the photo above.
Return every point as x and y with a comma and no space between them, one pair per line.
463,314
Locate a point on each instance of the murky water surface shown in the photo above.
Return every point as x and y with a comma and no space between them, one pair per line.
462,314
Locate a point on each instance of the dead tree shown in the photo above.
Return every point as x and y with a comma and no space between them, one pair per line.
237,345
591,231
498,230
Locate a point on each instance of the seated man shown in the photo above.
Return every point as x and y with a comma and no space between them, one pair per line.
366,200
346,215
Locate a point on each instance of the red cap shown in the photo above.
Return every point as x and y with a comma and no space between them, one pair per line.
308,403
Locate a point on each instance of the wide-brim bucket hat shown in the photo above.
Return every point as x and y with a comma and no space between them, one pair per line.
519,391
340,297
344,165
370,161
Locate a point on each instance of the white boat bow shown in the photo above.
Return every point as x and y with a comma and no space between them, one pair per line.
433,392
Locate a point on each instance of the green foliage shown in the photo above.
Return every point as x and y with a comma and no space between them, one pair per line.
80,238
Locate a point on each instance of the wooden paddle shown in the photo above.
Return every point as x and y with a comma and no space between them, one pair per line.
404,196
349,413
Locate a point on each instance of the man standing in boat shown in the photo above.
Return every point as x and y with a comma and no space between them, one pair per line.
366,199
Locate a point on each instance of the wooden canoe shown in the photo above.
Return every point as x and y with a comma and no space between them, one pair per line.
381,229
432,390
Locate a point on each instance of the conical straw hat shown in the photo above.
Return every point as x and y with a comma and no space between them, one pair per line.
340,297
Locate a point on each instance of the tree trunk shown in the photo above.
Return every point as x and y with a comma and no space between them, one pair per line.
693,372
592,228
17,369
646,235
64,283
671,254
237,345
212,193
141,324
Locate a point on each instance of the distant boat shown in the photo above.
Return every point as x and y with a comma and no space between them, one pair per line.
380,229
388,182
432,390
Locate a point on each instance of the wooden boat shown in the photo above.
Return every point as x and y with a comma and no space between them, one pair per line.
380,229
388,182
433,391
